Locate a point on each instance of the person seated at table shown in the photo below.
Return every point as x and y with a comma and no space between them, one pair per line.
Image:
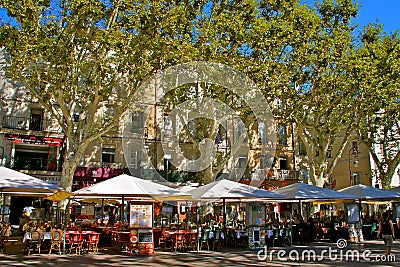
312,229
27,226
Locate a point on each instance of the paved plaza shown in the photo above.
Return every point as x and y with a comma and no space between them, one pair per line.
370,253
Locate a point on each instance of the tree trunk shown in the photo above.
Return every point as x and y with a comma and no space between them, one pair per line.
208,176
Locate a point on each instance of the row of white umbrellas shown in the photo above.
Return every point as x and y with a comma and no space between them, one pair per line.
17,183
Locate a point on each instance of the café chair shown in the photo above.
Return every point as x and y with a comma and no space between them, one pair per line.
162,240
192,241
204,240
75,242
179,242
217,239
275,238
4,235
56,240
287,236
93,242
34,242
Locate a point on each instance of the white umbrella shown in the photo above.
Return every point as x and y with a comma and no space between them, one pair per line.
305,192
233,191
127,186
226,189
364,192
17,183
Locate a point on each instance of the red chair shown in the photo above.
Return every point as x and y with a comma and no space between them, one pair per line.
75,242
162,240
92,242
179,242
192,241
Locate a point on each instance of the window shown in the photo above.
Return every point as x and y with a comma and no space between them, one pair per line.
137,122
302,148
134,163
262,137
354,144
168,166
75,117
282,135
355,178
36,119
267,161
283,163
108,154
242,162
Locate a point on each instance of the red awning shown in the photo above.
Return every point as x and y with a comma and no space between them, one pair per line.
33,139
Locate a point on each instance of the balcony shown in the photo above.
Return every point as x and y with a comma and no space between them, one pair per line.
276,174
25,123
32,164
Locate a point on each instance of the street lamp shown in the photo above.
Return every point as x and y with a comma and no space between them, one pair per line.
353,152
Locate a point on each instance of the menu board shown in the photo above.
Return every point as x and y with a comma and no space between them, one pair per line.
141,215
256,214
146,237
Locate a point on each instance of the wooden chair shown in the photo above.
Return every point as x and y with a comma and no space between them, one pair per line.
4,235
56,240
92,242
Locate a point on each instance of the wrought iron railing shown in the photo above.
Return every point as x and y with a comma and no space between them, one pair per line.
25,123
277,174
34,164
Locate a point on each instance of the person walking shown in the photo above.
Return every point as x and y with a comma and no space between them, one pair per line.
386,231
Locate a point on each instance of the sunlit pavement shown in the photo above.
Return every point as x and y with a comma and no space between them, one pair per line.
370,253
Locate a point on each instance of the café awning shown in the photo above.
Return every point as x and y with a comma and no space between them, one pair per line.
226,189
366,193
310,193
17,183
129,187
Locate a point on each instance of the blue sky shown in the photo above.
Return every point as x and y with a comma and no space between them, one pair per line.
386,12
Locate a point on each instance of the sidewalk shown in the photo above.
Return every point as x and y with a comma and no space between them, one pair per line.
228,257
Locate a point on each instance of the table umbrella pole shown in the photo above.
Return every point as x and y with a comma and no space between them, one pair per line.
123,211
4,204
65,224
224,212
198,225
